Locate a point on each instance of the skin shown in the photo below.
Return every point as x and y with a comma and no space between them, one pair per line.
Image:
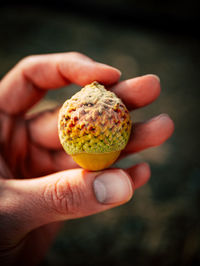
40,185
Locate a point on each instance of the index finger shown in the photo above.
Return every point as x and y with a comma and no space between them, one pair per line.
30,79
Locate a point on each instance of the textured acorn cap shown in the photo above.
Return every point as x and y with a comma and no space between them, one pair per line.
94,122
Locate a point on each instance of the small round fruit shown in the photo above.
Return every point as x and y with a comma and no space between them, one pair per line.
94,126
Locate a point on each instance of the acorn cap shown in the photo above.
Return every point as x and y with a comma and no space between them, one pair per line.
94,122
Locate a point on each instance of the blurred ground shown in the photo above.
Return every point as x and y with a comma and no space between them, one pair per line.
161,224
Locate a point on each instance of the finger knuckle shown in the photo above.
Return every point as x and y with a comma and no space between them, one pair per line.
30,59
27,59
63,197
74,54
78,56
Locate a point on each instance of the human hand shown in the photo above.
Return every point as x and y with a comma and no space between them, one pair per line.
31,208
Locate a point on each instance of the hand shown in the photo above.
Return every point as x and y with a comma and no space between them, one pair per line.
31,208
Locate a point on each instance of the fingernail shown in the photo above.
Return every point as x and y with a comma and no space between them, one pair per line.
162,117
112,187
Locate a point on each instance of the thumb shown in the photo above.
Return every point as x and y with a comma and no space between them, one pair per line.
65,195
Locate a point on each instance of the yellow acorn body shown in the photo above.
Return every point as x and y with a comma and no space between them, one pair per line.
96,161
94,126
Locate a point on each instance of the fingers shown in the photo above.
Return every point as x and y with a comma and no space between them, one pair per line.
43,129
81,70
63,161
4,169
140,174
135,93
149,134
29,80
30,203
47,156
43,162
138,92
145,135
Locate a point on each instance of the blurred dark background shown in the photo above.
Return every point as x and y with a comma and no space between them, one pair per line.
161,224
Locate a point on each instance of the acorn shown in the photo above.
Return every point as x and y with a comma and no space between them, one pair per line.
94,127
